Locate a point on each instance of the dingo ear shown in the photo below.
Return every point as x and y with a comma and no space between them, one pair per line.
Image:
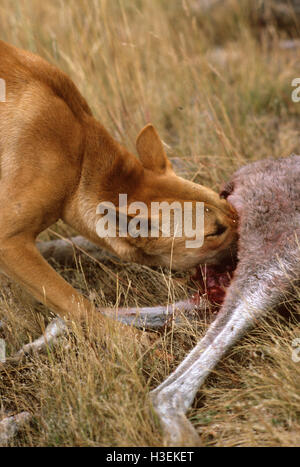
151,151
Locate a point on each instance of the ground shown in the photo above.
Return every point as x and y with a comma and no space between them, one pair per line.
218,89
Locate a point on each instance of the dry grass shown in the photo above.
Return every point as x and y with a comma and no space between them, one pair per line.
218,90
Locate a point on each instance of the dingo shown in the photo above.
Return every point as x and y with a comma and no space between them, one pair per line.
58,162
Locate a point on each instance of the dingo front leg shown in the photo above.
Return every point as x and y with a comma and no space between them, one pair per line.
25,212
20,260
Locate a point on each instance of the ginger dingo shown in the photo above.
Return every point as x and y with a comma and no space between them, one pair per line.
58,162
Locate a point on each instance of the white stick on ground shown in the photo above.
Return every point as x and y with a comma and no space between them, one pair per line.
53,332
147,318
156,316
10,426
56,329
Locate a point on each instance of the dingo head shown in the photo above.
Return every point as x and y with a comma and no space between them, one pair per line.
154,182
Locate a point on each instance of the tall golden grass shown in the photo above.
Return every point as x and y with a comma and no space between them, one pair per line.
218,89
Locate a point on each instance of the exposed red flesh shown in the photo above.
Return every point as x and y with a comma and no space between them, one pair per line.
212,282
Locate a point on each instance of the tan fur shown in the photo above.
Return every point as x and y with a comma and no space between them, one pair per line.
58,162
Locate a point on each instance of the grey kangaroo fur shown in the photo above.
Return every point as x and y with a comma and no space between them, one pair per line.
266,195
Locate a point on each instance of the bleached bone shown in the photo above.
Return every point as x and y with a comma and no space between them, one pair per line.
266,195
53,332
51,337
10,426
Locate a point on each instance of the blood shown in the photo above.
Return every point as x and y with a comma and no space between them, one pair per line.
212,282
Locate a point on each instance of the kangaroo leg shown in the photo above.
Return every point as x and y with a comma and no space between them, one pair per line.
175,395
